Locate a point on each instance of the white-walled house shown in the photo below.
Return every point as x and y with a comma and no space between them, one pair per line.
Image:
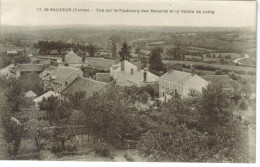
180,82
124,67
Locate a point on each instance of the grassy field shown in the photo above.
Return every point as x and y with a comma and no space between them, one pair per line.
100,62
219,66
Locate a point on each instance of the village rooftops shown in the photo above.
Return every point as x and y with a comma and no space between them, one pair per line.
87,85
177,76
61,74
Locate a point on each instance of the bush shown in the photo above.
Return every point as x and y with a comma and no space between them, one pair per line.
102,149
58,149
128,157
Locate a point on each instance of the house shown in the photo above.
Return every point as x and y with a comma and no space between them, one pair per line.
121,71
142,78
226,83
180,82
21,69
60,78
73,60
86,85
46,96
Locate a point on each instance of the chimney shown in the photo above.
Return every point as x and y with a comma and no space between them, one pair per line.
123,65
145,75
132,71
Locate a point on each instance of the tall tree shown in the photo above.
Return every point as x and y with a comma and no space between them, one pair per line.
155,60
92,50
124,52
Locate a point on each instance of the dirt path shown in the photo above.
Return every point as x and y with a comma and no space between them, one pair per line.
236,61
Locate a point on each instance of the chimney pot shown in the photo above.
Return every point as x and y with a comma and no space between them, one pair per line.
145,76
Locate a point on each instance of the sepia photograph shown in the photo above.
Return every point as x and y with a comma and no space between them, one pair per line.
128,81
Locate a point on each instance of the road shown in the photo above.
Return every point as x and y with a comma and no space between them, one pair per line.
236,61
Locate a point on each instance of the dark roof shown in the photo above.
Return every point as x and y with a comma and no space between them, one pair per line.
87,85
30,67
176,76
224,80
61,74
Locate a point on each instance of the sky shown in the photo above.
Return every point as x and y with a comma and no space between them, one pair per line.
226,13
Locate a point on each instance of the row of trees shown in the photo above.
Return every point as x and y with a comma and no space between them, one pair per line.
46,47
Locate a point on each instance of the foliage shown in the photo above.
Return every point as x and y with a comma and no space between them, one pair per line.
102,149
124,53
58,115
200,128
40,132
156,60
110,115
92,50
14,94
20,58
76,99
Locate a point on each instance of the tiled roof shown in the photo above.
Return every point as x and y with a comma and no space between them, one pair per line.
224,80
47,71
138,77
72,58
89,86
30,67
61,74
176,76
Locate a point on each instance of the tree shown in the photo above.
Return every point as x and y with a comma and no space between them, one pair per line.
114,40
124,52
76,99
110,114
156,60
40,132
15,95
92,50
200,128
58,115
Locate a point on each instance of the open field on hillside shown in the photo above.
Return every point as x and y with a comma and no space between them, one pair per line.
100,62
217,66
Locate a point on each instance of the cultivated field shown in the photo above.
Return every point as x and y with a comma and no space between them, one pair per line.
217,66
